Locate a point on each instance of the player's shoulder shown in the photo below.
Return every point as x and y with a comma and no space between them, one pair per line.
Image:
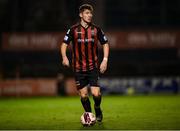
75,26
72,28
96,26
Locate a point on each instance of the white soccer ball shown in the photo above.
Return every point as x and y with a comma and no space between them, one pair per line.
88,119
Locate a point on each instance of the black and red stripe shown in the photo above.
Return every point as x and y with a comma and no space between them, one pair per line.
85,51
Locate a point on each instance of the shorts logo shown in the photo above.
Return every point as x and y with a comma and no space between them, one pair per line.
77,83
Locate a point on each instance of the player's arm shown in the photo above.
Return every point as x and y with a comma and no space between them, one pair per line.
103,66
65,60
103,40
64,45
106,51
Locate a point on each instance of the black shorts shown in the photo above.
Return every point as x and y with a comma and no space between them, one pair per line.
87,78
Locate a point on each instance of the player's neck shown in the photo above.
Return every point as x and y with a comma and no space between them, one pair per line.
84,24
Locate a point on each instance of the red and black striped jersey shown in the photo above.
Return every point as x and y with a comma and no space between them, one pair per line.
85,46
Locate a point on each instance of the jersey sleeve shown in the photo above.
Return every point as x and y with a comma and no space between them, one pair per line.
101,37
68,37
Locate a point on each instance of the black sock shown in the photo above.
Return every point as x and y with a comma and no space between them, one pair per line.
97,101
86,104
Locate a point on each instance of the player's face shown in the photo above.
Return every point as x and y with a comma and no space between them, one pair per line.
86,16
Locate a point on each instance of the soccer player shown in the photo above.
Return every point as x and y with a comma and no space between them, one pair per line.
84,37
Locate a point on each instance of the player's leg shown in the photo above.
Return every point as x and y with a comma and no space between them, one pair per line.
95,90
81,84
85,99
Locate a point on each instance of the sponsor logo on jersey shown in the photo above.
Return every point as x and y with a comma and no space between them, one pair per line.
86,40
78,32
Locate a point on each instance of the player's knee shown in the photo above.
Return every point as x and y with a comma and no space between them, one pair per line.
96,93
84,95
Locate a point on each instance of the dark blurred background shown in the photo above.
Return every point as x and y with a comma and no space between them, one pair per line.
57,15
47,16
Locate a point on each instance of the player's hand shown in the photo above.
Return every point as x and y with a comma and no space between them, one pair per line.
65,61
103,66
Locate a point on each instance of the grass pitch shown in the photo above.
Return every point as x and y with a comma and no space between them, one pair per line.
120,112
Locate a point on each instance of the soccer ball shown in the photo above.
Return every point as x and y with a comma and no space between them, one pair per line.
88,119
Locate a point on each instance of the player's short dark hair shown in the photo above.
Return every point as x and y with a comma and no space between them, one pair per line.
85,6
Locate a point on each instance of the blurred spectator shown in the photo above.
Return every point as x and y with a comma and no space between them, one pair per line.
61,84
